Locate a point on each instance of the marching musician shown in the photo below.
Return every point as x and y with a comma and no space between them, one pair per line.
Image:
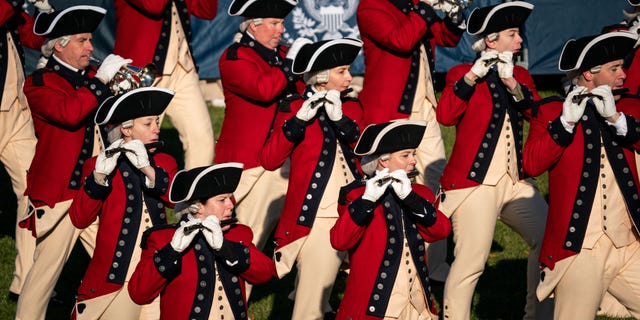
400,39
63,95
159,32
126,186
487,102
199,267
317,136
384,223
17,136
587,142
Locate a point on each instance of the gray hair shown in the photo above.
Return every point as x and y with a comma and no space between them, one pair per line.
186,207
369,164
316,77
47,49
481,43
244,25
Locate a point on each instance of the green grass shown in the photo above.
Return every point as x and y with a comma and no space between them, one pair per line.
496,297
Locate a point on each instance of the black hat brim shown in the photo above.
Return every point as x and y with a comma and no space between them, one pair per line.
377,139
261,8
486,20
205,182
326,54
141,102
588,52
73,20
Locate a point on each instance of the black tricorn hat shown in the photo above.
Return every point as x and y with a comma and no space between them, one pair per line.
634,2
141,102
391,136
591,51
326,54
486,20
205,182
72,20
261,8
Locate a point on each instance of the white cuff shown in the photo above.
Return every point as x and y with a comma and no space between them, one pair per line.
566,125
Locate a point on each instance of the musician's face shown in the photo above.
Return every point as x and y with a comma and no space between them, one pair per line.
269,32
610,74
403,159
77,52
508,40
145,129
339,79
220,206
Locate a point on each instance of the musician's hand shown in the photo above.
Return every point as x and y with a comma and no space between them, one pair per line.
333,107
138,155
432,3
181,240
572,112
110,66
309,109
42,5
373,191
401,184
505,64
213,232
635,29
296,46
105,165
605,102
482,66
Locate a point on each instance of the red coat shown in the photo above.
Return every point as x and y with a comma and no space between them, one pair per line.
110,204
306,153
471,111
180,282
367,238
251,88
550,147
389,36
61,104
145,17
24,25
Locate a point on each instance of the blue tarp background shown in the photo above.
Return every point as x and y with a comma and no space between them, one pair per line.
549,26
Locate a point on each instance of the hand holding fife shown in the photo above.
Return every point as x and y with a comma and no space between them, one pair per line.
571,111
373,190
213,232
505,64
604,101
309,109
138,155
482,66
104,164
181,239
400,183
333,107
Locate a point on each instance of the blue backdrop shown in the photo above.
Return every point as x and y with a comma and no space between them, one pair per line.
550,25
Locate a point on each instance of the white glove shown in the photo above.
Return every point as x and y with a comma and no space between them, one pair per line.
446,7
333,107
605,103
42,5
431,2
400,183
182,240
505,65
309,110
295,47
635,29
213,232
482,66
572,112
137,153
373,191
105,165
110,66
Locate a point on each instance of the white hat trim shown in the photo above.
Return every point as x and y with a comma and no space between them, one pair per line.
63,12
388,128
194,183
592,43
250,2
498,7
323,47
122,97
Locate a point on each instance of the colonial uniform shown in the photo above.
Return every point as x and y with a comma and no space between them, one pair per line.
388,278
200,282
591,243
166,27
17,136
399,38
62,101
483,180
126,207
322,161
256,83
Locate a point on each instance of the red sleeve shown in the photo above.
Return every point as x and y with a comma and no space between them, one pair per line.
540,150
346,234
451,107
441,228
27,37
261,268
203,9
84,210
146,283
384,28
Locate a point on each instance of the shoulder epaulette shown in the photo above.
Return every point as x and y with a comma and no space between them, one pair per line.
145,235
232,52
342,198
37,77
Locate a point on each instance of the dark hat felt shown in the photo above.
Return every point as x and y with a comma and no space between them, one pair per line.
205,182
261,8
72,20
326,54
634,2
141,102
588,52
486,20
390,137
